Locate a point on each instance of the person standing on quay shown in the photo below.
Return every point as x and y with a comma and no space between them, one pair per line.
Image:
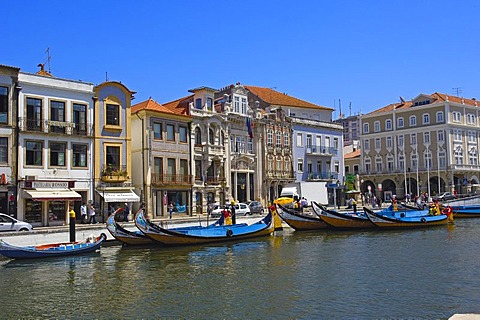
83,212
91,213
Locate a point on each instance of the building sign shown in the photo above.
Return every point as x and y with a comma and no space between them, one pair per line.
50,184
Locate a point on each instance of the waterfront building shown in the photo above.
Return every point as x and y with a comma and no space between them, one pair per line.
161,151
427,145
8,139
351,130
55,144
113,150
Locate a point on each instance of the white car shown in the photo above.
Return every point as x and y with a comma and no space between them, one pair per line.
241,209
8,223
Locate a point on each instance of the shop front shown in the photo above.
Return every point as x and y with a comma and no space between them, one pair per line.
114,199
46,203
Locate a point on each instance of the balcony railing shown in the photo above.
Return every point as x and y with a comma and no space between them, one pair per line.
159,179
320,150
313,176
51,126
113,173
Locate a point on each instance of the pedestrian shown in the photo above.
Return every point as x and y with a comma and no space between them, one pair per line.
232,212
170,209
91,213
354,205
126,211
83,212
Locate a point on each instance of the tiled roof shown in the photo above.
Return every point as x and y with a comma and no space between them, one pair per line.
281,99
152,105
180,104
351,155
435,98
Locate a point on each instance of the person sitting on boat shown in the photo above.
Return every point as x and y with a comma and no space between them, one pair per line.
395,206
226,216
431,209
437,207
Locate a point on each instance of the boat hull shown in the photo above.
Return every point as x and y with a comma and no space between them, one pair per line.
472,211
300,222
412,221
201,235
342,220
126,236
50,250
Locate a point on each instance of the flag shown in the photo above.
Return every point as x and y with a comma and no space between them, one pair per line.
249,124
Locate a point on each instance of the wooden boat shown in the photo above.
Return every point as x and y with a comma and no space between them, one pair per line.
468,207
298,221
404,219
51,250
126,236
342,220
217,232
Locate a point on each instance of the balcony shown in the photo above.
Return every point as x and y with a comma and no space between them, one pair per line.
111,173
319,176
59,127
321,150
159,179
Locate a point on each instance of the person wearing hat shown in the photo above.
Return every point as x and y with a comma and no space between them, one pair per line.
232,212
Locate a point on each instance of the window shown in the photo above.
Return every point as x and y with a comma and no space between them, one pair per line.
79,155
413,138
389,142
211,137
401,162
34,153
378,143
426,118
249,145
458,155
366,144
270,138
170,132
80,118
158,167
388,125
244,105
366,128
286,139
470,118
198,136
390,163
34,114
456,116
414,160
427,157
440,117
400,122
442,159
426,137
198,103
157,130
3,104
113,157
457,135
171,166
355,168
3,150
413,121
279,139
300,165
113,114
368,165
209,104
440,135
335,143
57,113
236,104
378,164
183,133
299,140
376,126
309,141
400,141
472,136
57,154
473,156
183,167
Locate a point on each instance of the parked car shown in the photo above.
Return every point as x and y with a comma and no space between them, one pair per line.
255,207
8,223
444,196
241,209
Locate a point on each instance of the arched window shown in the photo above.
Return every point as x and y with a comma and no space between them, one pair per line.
211,136
198,136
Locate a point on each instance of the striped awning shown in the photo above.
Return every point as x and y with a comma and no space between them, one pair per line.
52,194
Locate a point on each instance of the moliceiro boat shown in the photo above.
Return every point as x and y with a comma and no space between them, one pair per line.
405,219
217,232
468,207
91,244
299,221
342,220
126,236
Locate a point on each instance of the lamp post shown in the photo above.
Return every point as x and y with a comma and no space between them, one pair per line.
416,165
438,169
428,154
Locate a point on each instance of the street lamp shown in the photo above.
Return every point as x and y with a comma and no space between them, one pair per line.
428,154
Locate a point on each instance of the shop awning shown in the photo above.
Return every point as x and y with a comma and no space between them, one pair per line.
123,196
52,194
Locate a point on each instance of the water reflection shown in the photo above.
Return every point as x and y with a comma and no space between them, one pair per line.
427,273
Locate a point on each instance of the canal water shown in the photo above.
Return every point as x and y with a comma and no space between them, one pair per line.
415,274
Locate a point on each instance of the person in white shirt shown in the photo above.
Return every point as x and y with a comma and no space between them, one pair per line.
83,212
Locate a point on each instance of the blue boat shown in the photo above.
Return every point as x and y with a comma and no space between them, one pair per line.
91,244
404,219
125,236
217,232
468,207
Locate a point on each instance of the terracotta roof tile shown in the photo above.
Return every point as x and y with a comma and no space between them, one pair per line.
152,105
277,98
354,154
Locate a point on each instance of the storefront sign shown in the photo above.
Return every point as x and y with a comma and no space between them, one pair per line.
50,184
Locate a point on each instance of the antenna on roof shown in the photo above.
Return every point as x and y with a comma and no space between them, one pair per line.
457,91
106,76
350,109
48,59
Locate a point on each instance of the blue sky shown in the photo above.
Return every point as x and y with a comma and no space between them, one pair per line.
367,53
